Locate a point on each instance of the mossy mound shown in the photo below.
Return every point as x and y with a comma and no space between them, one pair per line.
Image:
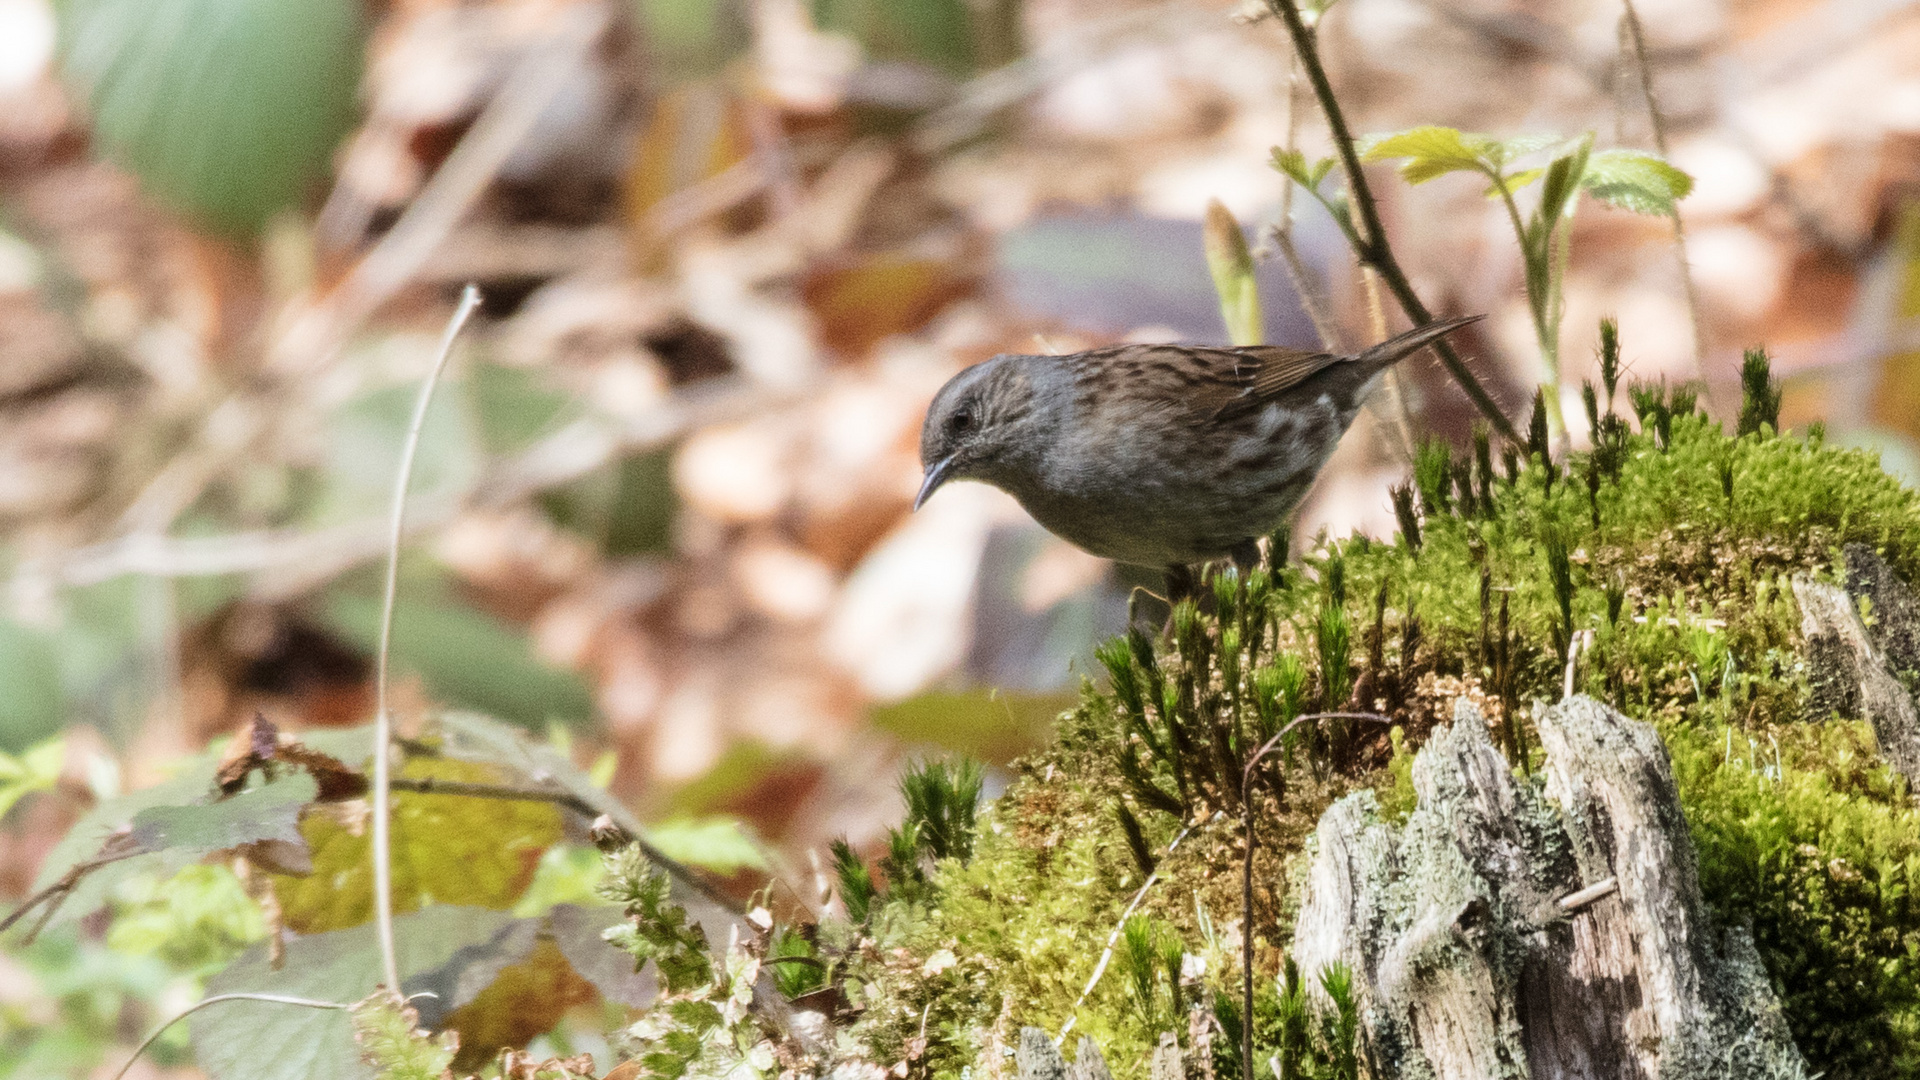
1661,560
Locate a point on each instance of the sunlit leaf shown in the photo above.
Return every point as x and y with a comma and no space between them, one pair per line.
1514,182
1432,151
269,812
227,109
246,1040
715,843
447,849
1636,181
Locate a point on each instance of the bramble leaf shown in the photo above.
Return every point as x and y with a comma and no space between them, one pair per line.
440,949
1432,151
1514,182
1633,180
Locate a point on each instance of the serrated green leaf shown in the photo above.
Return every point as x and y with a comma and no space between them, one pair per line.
247,1040
1432,151
1514,182
190,783
1319,172
227,109
1633,180
269,812
1503,151
715,843
1291,164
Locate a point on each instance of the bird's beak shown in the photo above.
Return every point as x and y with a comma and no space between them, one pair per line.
936,475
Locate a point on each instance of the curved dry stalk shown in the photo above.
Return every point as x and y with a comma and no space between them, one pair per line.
382,719
276,999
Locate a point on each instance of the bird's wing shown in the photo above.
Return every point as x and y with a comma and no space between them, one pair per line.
1279,369
1210,381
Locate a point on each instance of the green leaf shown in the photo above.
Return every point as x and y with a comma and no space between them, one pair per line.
226,109
248,1040
715,843
36,769
82,842
1294,166
1632,180
1560,185
1514,182
269,812
1232,267
1433,151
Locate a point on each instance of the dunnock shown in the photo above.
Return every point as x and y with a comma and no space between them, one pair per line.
1159,455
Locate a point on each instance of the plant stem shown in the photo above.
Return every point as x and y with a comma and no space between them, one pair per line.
275,999
382,719
1635,46
1370,244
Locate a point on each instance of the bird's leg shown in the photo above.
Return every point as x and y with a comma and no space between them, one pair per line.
1180,583
1246,555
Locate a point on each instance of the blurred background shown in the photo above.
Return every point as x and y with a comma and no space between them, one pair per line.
729,249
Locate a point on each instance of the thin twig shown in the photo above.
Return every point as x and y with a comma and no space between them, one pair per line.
1246,872
382,719
1106,954
1370,243
57,892
276,999
1634,44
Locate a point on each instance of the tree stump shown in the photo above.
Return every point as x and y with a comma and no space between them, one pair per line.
1858,670
1486,941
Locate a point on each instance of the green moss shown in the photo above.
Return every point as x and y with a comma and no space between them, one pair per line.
1668,549
1805,834
1665,553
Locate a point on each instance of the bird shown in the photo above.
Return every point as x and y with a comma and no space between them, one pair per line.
1156,455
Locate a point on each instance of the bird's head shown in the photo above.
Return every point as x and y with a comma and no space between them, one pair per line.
976,427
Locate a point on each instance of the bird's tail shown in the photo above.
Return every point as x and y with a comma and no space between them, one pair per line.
1400,346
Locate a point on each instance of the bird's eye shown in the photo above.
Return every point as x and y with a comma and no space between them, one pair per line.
961,421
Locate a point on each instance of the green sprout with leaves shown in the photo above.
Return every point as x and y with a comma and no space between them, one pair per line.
1625,179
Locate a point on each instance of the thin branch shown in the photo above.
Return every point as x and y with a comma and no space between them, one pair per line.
1633,44
382,719
1371,242
276,999
55,893
1106,954
434,786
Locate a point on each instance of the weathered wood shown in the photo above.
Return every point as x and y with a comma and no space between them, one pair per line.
1037,1057
1851,676
1168,1063
1089,1063
1465,963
